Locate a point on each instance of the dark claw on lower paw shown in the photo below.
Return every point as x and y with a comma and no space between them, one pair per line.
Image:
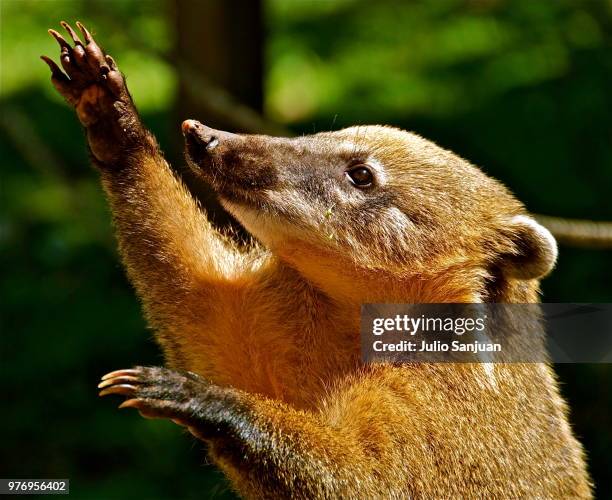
153,391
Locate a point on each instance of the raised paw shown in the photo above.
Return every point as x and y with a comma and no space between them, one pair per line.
93,84
91,81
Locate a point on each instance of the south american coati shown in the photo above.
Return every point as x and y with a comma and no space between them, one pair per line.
262,344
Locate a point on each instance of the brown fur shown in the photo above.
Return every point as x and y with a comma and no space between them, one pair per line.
275,328
284,326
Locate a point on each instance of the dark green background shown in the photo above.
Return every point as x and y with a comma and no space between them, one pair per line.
521,88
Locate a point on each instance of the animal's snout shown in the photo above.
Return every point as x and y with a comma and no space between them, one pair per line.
205,136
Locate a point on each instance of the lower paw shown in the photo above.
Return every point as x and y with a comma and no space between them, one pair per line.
207,410
157,392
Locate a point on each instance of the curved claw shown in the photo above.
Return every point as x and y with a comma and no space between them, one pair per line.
72,33
86,34
119,373
118,380
55,70
131,403
122,389
60,39
61,82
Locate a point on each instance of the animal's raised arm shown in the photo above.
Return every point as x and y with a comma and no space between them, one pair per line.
167,243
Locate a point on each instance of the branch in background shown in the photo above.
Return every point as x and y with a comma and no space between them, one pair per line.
21,130
578,233
207,94
223,105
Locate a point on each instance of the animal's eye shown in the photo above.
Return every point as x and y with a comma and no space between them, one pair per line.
361,176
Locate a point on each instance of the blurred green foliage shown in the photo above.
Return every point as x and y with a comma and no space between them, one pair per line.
519,87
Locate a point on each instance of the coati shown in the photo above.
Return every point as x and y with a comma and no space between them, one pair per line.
262,344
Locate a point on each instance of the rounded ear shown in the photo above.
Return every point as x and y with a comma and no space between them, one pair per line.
536,250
